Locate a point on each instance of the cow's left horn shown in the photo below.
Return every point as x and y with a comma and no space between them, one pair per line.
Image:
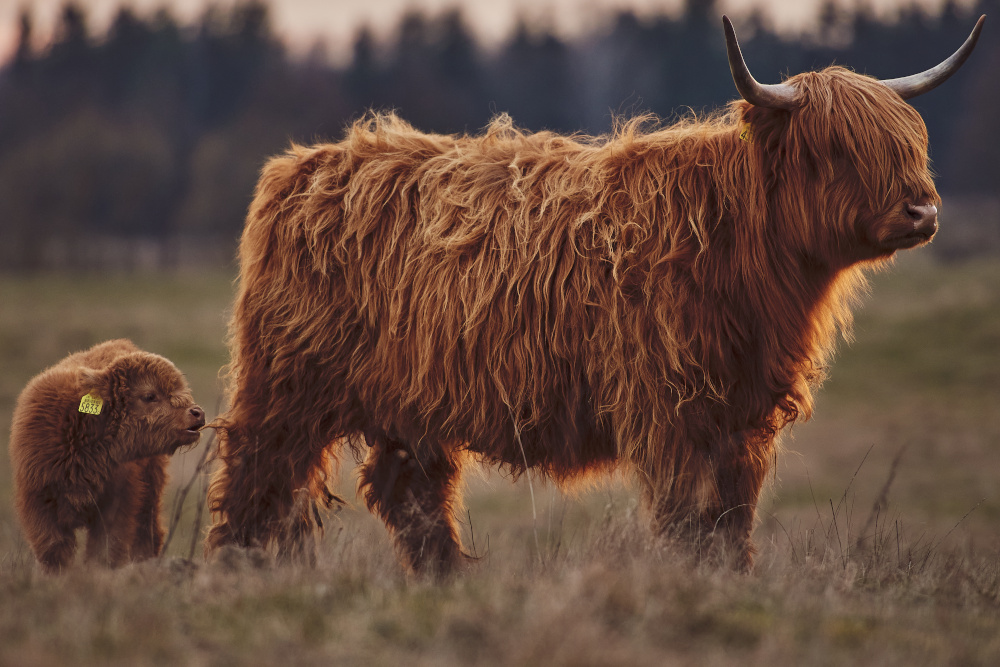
918,84
774,96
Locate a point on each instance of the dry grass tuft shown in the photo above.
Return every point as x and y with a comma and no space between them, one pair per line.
609,596
867,554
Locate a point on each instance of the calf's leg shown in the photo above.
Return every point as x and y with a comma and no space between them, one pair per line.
53,543
147,539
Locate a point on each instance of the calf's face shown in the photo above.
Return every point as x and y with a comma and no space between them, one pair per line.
163,414
156,412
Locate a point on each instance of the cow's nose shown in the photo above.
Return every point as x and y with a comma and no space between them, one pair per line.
198,414
924,218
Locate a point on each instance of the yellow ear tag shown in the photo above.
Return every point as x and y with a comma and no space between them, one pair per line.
746,133
91,404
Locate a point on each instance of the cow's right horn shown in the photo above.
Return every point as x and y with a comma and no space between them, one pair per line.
918,84
774,96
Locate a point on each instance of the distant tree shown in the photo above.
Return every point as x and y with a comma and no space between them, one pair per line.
125,54
970,157
232,50
23,50
834,24
363,79
156,129
69,67
71,30
533,80
434,75
695,55
93,177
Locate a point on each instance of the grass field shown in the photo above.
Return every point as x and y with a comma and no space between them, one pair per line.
878,534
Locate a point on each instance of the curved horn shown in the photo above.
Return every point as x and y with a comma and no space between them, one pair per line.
918,84
775,96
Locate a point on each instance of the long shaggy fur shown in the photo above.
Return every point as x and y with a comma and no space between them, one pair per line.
102,472
661,298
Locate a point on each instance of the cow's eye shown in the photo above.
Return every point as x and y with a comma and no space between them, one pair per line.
149,397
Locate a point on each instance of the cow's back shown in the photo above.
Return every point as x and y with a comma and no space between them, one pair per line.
429,287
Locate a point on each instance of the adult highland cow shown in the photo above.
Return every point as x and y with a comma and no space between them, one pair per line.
663,300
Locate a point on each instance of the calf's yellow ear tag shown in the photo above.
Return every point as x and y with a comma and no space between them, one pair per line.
91,403
746,133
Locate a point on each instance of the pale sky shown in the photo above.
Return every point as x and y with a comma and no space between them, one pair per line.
302,22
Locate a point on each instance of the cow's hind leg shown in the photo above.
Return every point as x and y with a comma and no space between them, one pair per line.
417,493
266,489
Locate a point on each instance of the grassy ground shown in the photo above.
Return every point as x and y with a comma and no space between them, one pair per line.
868,551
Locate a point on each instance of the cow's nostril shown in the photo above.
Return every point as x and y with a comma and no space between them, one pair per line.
924,211
197,413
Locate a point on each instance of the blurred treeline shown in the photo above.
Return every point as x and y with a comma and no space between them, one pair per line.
147,137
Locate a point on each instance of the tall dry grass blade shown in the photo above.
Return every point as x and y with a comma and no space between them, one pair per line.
531,488
199,514
555,549
812,494
835,511
791,544
472,534
958,523
843,497
898,557
182,493
881,500
836,528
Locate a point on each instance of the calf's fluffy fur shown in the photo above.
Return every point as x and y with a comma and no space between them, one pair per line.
102,470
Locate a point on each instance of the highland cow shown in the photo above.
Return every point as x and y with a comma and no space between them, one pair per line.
89,446
662,301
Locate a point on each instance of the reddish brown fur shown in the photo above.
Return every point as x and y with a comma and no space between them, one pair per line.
106,472
666,300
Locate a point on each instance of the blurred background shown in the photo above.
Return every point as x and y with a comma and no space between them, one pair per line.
131,136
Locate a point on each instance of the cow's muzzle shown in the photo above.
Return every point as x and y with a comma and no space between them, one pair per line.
924,219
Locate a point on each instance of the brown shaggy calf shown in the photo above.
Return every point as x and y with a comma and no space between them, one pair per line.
89,447
660,301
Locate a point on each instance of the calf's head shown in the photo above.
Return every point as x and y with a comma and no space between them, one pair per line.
151,410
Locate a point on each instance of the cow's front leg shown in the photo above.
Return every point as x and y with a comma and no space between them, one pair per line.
739,479
678,496
707,499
